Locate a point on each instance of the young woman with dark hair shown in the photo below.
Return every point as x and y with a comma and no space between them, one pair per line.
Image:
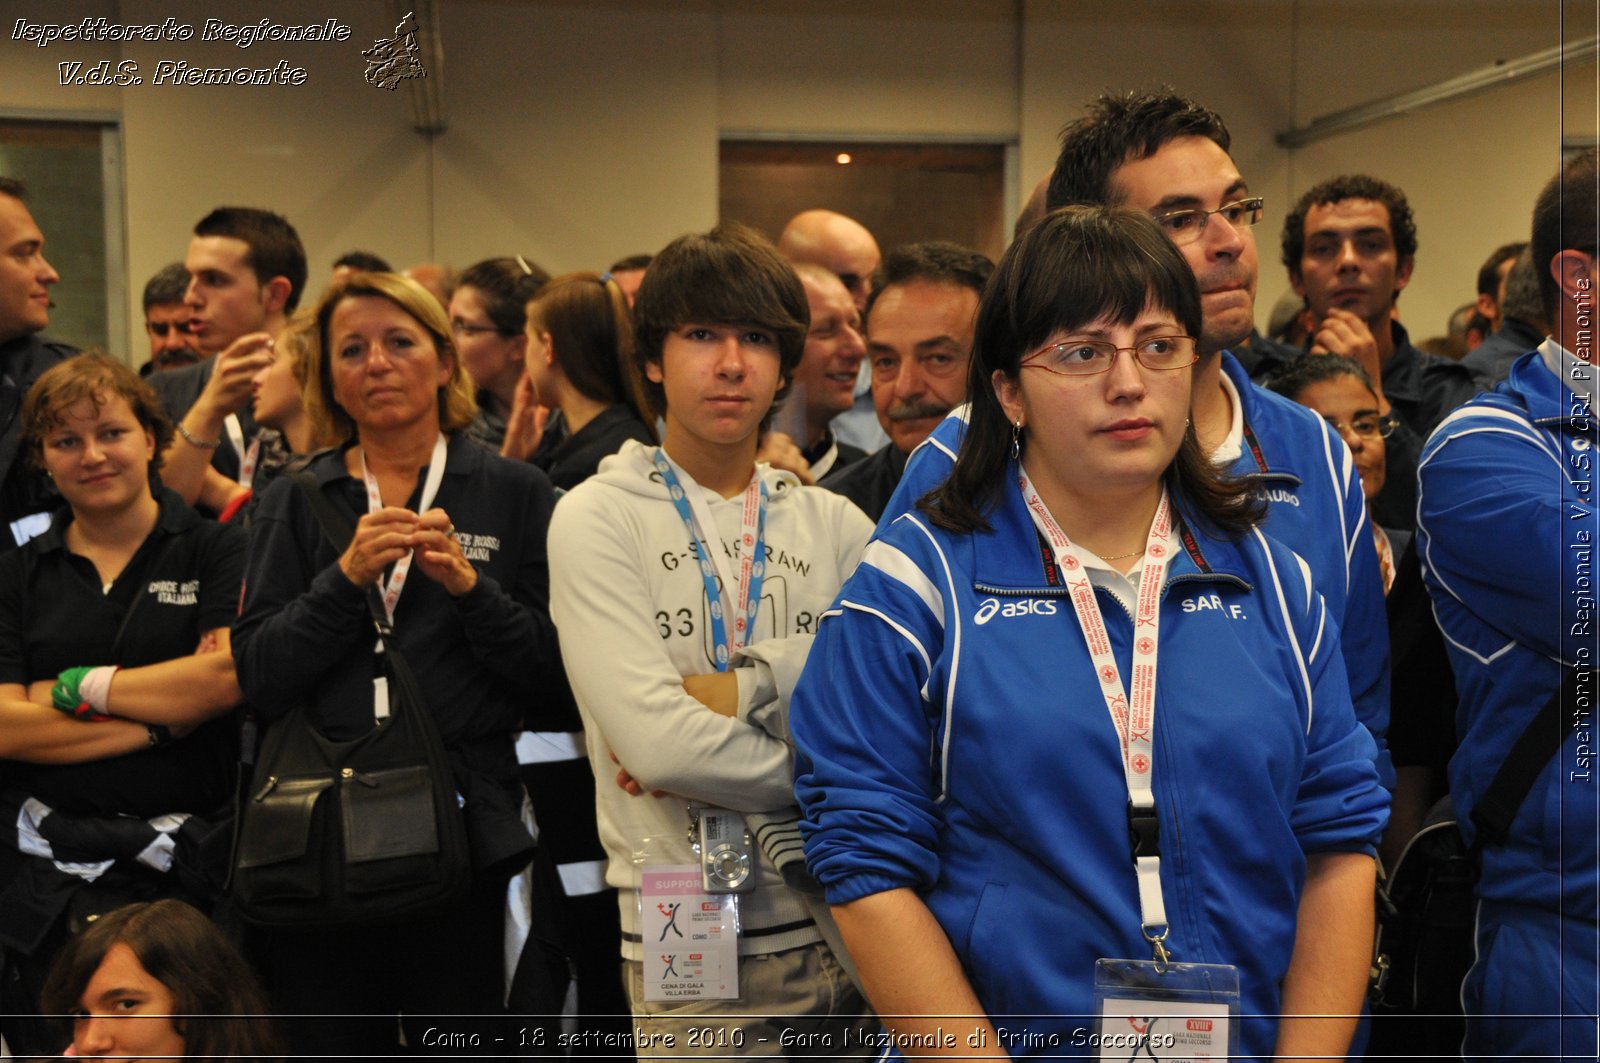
968,807
159,980
582,397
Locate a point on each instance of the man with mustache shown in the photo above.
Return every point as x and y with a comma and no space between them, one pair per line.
919,336
166,319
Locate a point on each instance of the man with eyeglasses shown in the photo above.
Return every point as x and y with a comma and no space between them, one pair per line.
1168,156
1350,246
920,320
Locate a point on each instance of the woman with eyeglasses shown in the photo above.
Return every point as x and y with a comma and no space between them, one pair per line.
1339,389
999,785
486,321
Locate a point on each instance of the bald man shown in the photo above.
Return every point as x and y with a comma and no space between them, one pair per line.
843,246
835,242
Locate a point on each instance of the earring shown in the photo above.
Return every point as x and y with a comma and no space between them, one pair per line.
1016,440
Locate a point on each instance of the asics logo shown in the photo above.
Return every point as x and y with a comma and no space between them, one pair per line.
991,607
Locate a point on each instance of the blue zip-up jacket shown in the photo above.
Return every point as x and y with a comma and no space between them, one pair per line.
1314,507
951,738
1506,534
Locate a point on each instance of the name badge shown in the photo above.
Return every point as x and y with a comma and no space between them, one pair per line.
1166,1012
690,937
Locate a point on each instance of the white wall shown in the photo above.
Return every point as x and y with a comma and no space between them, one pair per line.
583,131
885,67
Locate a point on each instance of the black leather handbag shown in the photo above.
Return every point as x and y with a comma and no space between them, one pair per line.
359,832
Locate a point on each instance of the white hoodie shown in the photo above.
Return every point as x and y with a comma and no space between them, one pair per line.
628,600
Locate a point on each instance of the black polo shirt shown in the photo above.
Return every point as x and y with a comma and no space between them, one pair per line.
870,482
571,458
54,614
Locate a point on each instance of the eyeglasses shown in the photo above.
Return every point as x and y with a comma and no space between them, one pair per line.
459,328
1373,427
1185,226
1091,357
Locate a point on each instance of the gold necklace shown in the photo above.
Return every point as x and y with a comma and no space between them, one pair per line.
1123,557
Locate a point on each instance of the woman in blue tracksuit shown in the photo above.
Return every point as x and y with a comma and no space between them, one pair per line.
982,727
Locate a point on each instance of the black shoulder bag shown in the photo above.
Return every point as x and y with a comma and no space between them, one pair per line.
360,832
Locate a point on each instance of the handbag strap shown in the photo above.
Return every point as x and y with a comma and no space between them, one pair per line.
1533,749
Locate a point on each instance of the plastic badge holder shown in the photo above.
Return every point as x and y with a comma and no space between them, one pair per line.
690,937
1164,1012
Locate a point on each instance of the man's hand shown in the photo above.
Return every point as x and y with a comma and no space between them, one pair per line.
230,387
629,784
1343,333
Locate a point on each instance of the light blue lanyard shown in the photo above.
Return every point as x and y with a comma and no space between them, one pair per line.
751,556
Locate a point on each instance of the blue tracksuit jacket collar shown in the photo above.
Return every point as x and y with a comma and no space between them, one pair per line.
1546,397
1260,459
1008,559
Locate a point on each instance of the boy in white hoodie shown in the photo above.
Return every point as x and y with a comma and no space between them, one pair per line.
686,582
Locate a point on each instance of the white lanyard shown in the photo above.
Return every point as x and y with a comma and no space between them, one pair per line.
397,578
235,429
696,516
1132,706
247,462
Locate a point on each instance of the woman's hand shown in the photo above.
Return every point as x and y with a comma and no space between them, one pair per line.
525,424
439,555
381,539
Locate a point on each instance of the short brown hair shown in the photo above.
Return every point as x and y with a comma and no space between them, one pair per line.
1565,218
98,377
457,407
731,275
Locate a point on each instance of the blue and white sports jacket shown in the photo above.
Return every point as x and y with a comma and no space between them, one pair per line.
1506,532
951,738
1314,507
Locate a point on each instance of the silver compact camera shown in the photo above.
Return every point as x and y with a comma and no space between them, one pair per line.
727,862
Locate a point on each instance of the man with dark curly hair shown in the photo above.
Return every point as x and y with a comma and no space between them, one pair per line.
1350,245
